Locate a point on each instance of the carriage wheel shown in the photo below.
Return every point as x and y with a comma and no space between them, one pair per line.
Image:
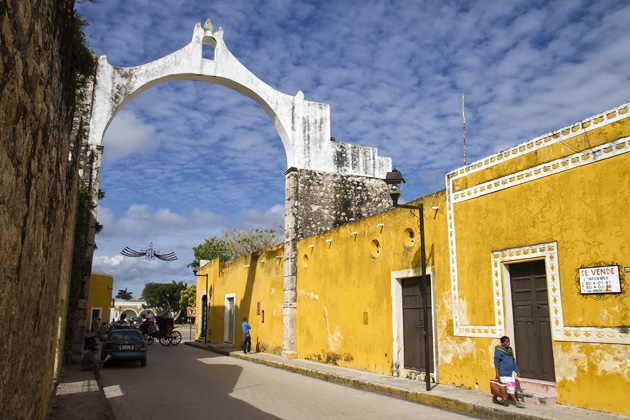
165,340
148,338
175,338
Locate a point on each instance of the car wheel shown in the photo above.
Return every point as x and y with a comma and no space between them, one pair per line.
143,362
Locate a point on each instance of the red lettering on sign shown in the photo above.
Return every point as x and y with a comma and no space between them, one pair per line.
603,271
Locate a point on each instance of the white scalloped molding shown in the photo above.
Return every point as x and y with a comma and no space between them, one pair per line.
559,332
588,156
558,136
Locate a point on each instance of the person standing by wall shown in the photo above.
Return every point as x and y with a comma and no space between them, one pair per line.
247,339
505,367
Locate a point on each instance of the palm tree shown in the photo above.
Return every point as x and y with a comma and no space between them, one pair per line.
124,294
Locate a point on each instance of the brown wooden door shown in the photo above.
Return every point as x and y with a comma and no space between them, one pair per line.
413,323
532,330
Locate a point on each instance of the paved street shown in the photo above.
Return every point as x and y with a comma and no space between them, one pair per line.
186,382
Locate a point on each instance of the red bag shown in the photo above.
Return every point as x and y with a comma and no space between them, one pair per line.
498,389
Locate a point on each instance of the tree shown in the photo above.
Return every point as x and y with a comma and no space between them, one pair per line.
188,297
163,297
213,248
124,294
236,242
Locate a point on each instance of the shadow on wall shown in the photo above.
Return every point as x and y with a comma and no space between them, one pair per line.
246,301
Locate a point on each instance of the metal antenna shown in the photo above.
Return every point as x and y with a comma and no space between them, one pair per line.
464,116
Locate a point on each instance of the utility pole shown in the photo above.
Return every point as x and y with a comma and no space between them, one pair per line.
464,117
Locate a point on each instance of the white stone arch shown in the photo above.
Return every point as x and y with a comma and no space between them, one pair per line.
303,126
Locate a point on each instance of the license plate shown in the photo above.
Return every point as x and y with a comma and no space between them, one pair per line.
130,347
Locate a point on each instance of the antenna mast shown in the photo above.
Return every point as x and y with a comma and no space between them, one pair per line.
464,117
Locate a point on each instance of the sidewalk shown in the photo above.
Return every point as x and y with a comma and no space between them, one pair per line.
464,401
78,396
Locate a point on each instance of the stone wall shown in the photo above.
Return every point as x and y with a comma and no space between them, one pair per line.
325,201
317,202
38,189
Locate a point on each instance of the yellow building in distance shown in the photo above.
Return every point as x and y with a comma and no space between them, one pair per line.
530,243
99,301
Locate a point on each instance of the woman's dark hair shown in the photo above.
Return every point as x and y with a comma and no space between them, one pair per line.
504,339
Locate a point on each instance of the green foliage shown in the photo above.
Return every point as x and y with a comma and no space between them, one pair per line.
188,297
213,248
82,57
236,242
81,259
249,241
81,264
164,297
124,294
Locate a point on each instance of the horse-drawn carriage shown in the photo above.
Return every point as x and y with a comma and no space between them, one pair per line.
164,333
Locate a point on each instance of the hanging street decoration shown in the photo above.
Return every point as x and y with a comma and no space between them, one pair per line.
149,254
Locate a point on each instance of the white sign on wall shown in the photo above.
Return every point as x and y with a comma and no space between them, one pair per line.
595,280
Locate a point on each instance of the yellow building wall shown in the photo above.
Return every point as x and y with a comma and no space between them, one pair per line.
583,210
256,282
345,314
100,296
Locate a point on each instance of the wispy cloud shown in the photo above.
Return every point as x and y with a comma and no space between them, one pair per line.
393,72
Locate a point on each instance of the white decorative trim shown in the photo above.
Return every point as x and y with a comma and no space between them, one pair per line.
500,280
558,136
595,154
226,320
585,157
559,332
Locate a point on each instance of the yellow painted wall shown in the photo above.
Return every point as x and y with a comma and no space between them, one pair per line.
345,314
253,279
345,288
100,296
594,376
582,209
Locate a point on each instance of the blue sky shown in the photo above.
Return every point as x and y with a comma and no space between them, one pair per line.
185,160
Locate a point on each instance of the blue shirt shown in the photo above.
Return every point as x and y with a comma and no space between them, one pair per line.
246,327
505,363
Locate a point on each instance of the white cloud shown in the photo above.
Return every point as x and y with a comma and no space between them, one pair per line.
127,135
140,221
183,160
271,218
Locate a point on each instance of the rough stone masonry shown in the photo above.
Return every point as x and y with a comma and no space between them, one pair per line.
38,188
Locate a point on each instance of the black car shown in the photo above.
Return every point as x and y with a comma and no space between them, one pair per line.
125,345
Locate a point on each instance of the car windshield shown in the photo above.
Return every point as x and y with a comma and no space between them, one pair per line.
124,335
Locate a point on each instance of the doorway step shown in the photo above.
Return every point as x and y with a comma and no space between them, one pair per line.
537,392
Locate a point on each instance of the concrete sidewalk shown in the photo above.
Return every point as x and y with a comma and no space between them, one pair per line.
77,395
464,401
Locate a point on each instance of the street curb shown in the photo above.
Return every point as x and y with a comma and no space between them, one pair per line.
437,401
